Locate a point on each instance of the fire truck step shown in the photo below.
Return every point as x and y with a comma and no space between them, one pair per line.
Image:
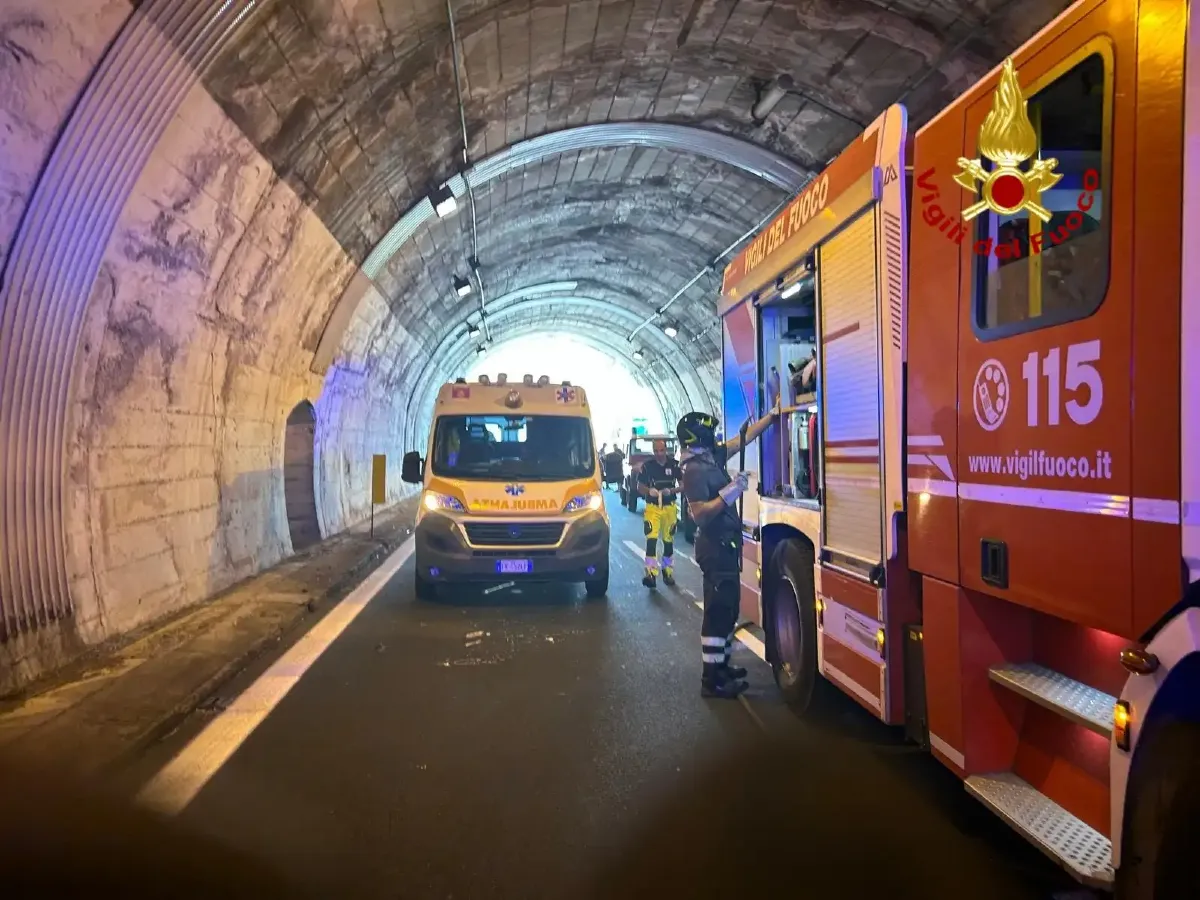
1085,853
1069,698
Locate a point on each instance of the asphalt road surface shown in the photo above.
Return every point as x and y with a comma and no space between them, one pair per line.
501,745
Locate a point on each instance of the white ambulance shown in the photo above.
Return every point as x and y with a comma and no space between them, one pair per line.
511,488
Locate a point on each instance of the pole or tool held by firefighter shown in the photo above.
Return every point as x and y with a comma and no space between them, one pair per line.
742,468
378,484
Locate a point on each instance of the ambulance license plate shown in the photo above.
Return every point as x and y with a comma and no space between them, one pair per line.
514,566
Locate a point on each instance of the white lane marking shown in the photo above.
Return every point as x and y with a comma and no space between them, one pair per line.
639,552
745,638
178,783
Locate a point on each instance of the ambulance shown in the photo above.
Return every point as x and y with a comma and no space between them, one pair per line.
983,524
510,488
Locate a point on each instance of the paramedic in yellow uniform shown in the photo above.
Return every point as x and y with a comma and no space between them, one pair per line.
658,482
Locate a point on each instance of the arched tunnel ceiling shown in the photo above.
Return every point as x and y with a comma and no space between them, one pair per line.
354,104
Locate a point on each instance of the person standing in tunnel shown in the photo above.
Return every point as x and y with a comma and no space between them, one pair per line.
658,482
712,500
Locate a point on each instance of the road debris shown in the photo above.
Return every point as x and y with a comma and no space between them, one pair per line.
499,587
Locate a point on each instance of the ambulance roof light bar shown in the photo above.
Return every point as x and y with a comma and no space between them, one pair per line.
502,378
460,381
527,381
566,384
483,379
543,381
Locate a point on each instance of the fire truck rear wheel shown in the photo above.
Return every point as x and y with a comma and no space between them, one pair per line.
794,625
1158,852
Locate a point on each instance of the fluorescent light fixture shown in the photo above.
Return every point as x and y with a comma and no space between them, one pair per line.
444,203
462,286
472,330
770,96
637,354
481,349
791,290
670,331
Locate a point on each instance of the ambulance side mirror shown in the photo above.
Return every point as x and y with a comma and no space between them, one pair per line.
412,468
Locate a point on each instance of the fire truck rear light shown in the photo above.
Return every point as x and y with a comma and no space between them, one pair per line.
1122,726
880,641
820,604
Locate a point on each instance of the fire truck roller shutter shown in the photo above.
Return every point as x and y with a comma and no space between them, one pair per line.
850,386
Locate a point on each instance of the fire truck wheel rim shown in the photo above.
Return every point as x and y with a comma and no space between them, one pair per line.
788,637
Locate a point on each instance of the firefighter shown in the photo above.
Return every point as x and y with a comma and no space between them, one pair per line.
712,500
658,482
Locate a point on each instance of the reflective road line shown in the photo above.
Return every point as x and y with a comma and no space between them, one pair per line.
178,783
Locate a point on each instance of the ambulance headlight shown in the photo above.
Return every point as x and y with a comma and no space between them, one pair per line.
590,500
434,501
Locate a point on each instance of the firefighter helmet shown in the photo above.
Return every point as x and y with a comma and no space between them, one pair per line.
697,431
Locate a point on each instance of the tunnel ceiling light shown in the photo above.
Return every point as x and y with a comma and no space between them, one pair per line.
444,202
472,330
670,331
769,97
480,349
462,286
637,354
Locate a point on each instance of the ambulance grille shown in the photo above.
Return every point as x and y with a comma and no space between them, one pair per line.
513,534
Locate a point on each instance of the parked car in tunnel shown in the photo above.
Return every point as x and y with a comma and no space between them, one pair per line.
511,488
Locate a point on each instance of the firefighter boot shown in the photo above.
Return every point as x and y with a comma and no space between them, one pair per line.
650,580
734,672
668,574
718,685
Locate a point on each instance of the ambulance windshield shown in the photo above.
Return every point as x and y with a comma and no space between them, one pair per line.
525,448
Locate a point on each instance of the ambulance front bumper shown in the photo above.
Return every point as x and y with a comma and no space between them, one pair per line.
482,549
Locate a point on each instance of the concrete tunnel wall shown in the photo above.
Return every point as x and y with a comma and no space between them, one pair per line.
202,324
213,290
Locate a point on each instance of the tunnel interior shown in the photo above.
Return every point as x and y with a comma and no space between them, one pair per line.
220,218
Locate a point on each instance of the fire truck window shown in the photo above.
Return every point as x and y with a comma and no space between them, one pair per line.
1029,273
788,334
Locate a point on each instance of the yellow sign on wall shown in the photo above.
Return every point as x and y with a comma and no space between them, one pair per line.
379,478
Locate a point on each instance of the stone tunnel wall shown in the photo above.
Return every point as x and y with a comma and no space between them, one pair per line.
201,329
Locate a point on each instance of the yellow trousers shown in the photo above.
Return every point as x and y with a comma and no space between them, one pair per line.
660,521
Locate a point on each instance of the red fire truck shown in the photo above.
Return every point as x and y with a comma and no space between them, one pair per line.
983,523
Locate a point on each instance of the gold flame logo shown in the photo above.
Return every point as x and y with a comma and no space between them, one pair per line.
1008,139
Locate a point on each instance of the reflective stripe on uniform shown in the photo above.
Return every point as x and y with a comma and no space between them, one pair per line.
706,641
713,657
